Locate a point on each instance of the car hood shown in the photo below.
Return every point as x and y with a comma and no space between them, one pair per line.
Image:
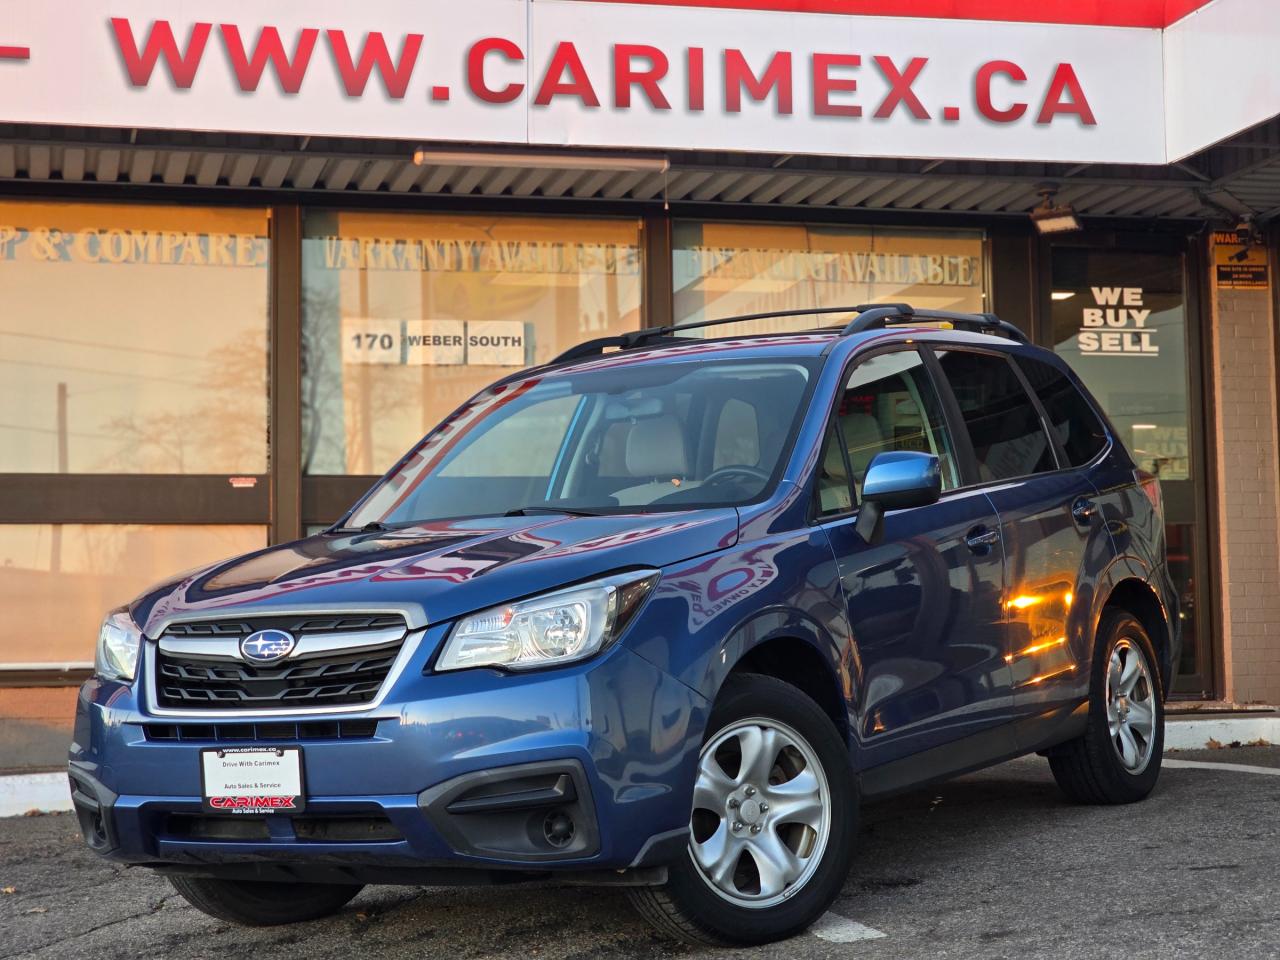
439,569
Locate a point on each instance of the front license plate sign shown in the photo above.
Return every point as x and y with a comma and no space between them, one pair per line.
252,779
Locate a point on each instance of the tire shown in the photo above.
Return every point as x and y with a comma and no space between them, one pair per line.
792,733
1096,767
263,903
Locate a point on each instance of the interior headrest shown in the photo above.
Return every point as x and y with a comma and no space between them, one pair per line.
655,448
863,437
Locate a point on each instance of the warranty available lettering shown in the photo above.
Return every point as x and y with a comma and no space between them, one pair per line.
480,256
499,71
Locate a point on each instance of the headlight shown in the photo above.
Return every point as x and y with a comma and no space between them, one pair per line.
552,629
118,643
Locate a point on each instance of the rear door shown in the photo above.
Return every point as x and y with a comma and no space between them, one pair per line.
924,601
1054,539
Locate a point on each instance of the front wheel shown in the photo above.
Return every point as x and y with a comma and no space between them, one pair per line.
1117,759
263,903
774,816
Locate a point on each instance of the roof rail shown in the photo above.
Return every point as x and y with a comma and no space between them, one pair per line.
870,316
888,314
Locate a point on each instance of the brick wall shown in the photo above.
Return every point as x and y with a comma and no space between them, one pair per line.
1249,493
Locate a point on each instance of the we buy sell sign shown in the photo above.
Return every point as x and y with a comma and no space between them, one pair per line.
575,72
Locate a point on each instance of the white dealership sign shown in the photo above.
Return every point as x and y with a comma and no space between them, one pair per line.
572,72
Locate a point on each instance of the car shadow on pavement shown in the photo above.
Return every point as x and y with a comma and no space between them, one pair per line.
994,864
552,920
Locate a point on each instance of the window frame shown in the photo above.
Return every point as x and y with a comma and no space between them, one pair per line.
173,498
270,500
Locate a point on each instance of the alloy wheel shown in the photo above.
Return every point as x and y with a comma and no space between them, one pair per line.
1131,705
761,812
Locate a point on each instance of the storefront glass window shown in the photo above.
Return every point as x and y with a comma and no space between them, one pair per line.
57,580
133,339
405,316
722,269
1120,319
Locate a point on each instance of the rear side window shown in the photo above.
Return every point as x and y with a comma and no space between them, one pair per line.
1071,418
1008,438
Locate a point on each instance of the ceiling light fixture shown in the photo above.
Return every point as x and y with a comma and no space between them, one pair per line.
550,161
1051,218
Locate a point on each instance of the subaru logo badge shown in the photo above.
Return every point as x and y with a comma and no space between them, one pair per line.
267,646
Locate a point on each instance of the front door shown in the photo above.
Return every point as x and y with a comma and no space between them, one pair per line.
924,600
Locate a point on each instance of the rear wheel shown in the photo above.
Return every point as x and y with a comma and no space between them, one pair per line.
1117,760
774,816
263,903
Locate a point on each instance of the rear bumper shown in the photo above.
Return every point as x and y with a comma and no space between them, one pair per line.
582,769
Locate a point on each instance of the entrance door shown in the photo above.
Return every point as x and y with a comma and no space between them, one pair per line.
1120,319
924,601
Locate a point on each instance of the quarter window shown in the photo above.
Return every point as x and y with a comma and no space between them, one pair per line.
1008,438
1072,419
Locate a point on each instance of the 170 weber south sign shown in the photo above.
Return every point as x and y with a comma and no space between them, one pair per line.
581,72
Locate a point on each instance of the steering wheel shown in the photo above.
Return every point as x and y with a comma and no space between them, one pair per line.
727,473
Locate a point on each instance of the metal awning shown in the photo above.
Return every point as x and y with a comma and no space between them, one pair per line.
1209,186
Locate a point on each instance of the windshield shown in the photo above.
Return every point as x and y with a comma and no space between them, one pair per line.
659,436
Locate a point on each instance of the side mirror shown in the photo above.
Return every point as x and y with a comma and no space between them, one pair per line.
896,480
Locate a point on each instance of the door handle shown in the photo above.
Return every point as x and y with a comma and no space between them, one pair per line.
981,539
1083,510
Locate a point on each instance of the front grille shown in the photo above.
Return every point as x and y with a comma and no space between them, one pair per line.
298,625
335,677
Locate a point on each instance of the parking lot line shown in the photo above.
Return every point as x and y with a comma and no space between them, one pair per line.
837,929
1205,765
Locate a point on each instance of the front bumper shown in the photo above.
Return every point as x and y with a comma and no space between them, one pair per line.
475,769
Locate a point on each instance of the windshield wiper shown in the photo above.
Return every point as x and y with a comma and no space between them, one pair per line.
373,526
540,509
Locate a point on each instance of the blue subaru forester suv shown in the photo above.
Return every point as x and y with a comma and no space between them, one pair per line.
658,614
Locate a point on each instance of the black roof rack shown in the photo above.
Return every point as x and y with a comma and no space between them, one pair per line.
876,316
870,316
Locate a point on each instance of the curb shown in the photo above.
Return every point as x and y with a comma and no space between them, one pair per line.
1195,734
48,791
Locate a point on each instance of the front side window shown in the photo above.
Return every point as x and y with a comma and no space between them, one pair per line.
1077,427
888,404
612,439
1008,438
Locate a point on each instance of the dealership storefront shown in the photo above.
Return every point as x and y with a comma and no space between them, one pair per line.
213,341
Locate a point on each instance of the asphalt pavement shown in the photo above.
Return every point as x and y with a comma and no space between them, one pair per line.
993,865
